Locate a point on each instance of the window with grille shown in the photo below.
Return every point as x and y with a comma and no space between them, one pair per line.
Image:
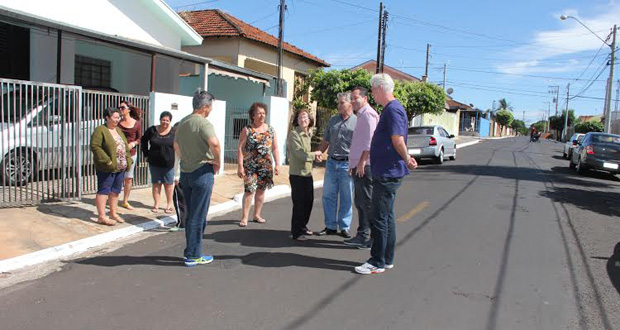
92,72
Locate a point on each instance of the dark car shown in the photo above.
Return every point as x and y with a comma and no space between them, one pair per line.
597,151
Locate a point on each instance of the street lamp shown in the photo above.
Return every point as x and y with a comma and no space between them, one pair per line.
608,91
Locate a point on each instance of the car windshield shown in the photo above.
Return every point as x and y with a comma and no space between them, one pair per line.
16,103
579,138
421,130
606,139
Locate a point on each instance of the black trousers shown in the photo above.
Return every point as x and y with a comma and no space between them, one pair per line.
302,194
179,205
363,201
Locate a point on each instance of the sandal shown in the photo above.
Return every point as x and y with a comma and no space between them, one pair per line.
259,220
243,224
155,210
127,206
118,219
106,222
169,210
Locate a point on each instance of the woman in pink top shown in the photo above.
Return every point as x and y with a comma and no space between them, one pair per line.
131,125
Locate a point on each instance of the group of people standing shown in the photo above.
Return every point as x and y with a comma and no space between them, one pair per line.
366,161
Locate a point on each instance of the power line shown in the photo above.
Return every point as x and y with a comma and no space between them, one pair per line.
197,3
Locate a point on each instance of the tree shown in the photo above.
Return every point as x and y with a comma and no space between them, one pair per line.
327,84
504,118
540,125
557,122
589,126
420,98
519,126
503,104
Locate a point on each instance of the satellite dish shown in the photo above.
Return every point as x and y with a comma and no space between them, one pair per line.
450,90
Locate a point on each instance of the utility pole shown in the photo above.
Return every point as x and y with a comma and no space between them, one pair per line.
564,137
445,70
617,99
280,87
523,115
428,50
384,34
555,90
379,38
610,82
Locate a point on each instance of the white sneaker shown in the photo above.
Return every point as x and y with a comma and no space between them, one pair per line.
389,266
367,269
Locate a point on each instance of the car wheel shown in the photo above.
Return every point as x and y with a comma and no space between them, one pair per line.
453,157
439,159
571,164
570,154
564,155
581,168
18,168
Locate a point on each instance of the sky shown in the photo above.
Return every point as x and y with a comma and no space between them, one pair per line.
492,49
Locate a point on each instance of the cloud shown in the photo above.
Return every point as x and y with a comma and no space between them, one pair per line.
546,51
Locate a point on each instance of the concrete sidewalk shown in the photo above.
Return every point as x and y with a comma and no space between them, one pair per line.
31,235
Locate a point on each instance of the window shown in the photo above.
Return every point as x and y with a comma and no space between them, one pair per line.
92,72
421,130
238,125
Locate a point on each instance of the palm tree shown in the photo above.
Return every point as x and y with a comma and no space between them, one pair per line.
504,105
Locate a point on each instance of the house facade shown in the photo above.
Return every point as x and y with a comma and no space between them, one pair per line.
230,40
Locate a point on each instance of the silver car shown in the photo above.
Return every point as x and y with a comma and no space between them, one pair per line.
431,142
570,145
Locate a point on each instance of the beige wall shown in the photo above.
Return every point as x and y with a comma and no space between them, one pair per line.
448,120
254,56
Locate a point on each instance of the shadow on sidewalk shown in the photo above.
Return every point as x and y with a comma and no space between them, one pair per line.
269,238
74,211
613,268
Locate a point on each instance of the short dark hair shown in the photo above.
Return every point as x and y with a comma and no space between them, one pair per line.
110,111
165,114
254,107
296,115
363,90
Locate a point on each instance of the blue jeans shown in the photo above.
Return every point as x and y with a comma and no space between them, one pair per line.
337,185
197,187
382,224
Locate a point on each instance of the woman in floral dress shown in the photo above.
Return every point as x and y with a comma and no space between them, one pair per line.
257,144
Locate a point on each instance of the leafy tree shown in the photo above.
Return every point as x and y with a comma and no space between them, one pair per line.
327,84
540,125
420,98
503,104
557,122
589,126
504,118
518,126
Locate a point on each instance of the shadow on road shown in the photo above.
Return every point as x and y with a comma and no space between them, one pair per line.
603,202
520,173
285,259
613,268
269,238
590,174
113,261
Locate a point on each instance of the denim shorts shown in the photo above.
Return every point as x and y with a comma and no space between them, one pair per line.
161,174
109,182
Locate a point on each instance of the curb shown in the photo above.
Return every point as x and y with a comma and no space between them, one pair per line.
84,244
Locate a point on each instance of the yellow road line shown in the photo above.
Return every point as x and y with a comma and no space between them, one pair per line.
417,209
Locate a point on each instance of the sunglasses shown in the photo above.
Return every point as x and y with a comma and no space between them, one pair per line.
123,107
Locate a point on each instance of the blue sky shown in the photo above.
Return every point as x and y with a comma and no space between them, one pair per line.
493,49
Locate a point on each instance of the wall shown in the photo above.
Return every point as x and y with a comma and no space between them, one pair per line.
448,120
43,53
484,127
239,93
223,49
280,123
134,20
163,102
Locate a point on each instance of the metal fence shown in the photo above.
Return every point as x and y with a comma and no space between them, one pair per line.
45,138
93,105
39,146
236,120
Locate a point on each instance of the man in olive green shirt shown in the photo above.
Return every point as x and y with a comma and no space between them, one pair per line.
199,151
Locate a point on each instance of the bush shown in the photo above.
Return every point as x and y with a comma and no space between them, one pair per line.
590,126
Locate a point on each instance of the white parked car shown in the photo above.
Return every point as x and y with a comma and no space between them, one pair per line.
431,142
570,145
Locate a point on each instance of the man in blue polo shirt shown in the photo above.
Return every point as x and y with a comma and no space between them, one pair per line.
390,163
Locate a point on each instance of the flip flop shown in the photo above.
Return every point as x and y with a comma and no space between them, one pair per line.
259,220
155,210
106,222
118,219
243,224
169,210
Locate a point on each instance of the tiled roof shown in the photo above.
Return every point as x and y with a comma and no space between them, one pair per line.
457,105
216,23
371,66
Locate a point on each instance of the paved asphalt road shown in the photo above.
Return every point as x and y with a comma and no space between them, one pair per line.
506,237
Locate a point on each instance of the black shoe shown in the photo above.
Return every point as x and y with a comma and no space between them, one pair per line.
366,246
355,241
345,233
300,238
327,231
308,232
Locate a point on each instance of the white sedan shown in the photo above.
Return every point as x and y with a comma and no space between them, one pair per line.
570,145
